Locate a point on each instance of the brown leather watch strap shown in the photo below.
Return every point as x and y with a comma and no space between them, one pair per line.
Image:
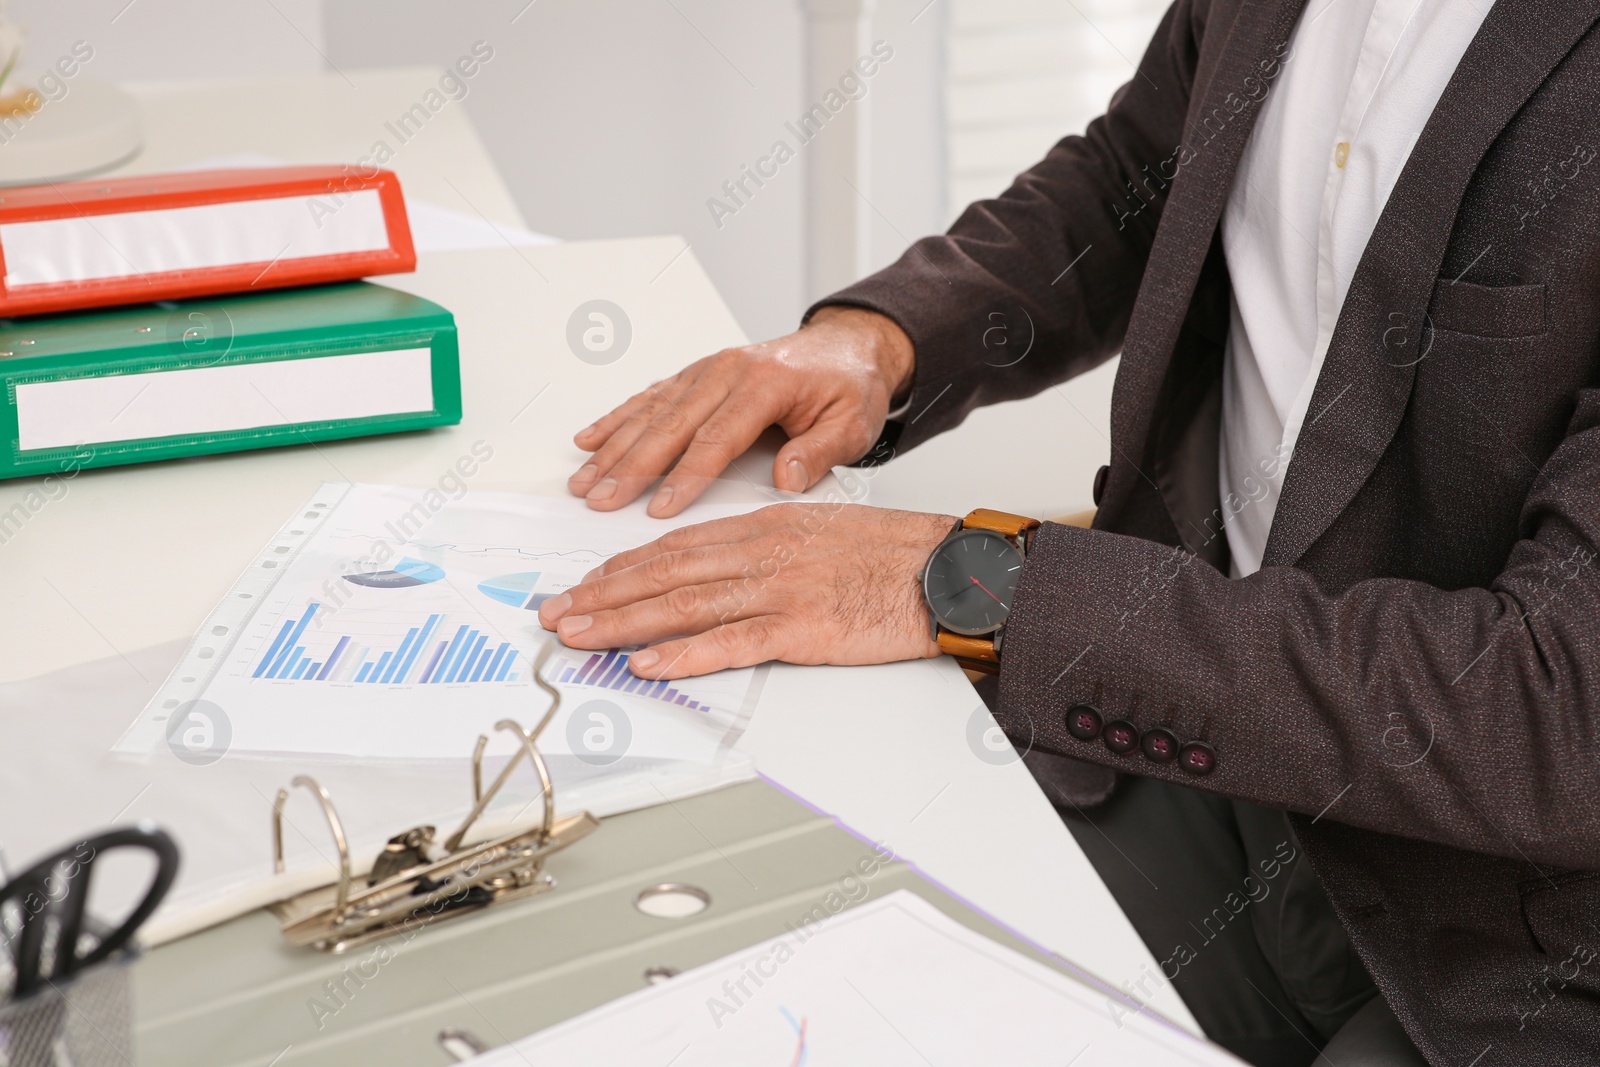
973,653
964,647
1001,522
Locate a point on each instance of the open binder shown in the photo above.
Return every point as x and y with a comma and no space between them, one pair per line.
413,882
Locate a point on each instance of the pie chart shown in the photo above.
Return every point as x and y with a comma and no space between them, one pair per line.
406,573
515,589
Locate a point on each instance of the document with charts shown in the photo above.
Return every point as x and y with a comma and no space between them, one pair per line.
384,622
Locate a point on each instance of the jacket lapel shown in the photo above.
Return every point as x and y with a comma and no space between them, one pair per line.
1214,137
1365,383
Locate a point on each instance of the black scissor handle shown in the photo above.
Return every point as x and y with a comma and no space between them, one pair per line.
40,898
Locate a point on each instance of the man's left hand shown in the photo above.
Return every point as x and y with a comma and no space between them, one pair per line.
801,582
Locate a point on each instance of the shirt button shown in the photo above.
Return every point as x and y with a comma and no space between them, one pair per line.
1341,153
1159,745
1083,722
1120,736
1197,757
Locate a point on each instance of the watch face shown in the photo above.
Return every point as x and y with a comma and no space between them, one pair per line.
970,581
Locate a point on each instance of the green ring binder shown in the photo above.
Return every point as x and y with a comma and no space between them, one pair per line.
314,348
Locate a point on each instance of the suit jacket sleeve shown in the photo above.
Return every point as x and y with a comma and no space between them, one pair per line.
998,284
1466,716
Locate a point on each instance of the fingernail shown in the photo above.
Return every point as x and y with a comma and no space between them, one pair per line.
586,473
662,498
587,430
575,625
555,607
797,476
604,490
645,658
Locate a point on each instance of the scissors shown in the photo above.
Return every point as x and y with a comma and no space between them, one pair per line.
44,924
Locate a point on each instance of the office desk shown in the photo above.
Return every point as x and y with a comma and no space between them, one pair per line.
132,557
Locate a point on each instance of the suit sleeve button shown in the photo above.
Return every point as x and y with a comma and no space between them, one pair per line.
1197,757
1120,736
1160,745
1083,722
1099,489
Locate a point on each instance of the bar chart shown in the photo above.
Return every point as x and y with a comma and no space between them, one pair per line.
353,636
422,656
609,670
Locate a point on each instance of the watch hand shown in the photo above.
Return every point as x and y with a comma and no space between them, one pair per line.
985,588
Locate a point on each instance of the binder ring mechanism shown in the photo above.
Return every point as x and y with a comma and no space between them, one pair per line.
413,882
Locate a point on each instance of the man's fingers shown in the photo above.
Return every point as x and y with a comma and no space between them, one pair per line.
656,414
623,425
724,437
625,473
684,609
654,576
834,439
722,532
592,437
618,440
744,643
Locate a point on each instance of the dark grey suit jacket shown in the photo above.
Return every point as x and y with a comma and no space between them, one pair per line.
1414,671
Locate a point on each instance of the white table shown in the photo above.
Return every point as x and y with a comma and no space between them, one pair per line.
98,572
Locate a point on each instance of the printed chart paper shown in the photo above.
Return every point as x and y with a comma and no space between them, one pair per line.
399,623
892,982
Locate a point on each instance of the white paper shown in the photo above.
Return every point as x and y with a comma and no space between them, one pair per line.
890,982
202,400
400,623
440,229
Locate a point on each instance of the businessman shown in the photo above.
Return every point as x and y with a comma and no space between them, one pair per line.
1337,624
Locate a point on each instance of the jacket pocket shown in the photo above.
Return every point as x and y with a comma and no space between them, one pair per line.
1563,914
1488,310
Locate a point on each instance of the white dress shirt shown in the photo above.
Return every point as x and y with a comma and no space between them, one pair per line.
1337,126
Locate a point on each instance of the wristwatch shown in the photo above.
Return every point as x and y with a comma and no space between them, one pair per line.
969,581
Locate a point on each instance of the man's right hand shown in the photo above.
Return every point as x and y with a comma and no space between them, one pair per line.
829,385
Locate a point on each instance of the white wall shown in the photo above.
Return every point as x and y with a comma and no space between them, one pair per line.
613,118
148,39
619,117
1024,73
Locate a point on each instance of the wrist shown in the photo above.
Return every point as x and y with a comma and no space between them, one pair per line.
891,347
